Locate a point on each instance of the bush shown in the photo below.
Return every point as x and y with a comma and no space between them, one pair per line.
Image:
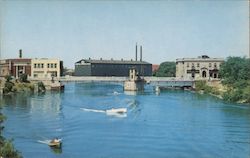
8,78
200,85
23,78
8,151
8,87
41,87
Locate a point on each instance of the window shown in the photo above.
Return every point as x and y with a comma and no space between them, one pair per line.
41,65
34,65
51,66
38,65
210,64
198,64
215,65
48,65
55,65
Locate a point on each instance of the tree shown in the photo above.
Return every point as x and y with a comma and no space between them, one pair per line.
235,69
235,72
166,69
23,78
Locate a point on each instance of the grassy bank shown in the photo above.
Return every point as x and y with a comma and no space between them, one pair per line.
11,86
217,88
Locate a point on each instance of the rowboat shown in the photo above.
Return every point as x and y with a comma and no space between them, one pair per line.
55,143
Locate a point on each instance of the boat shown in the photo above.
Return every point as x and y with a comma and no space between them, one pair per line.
119,111
56,143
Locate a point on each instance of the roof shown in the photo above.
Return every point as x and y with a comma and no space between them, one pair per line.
200,59
93,61
155,67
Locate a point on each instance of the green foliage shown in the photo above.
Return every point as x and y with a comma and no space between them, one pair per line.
235,73
201,85
166,69
41,87
8,151
23,87
23,78
2,118
8,78
235,69
8,87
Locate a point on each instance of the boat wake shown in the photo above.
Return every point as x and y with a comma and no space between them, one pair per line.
120,112
93,110
47,141
44,141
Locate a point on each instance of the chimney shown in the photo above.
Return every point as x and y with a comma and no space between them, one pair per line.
20,53
141,53
136,52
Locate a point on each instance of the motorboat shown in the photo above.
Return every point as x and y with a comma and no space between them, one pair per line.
55,143
118,111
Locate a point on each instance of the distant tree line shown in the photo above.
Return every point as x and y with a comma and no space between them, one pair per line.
166,69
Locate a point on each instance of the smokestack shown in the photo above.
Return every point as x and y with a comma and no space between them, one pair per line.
141,53
136,52
20,53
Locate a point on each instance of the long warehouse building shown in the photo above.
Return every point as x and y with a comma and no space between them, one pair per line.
89,67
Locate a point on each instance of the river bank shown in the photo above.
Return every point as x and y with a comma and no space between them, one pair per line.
217,89
7,149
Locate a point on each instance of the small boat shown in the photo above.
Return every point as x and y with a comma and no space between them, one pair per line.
119,110
55,143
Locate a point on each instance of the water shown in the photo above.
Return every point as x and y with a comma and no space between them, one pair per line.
173,124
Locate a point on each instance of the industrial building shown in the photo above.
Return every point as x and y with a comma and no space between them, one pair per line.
202,67
90,67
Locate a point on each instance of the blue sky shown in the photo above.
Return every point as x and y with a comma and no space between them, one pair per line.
72,30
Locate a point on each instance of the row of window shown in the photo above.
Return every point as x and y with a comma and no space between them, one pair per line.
198,65
49,65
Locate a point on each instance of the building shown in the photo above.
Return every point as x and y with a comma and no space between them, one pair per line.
202,67
46,68
15,67
4,68
155,68
89,67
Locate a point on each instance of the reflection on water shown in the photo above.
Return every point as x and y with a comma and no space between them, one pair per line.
172,124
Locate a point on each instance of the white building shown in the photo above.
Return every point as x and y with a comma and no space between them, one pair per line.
45,68
198,68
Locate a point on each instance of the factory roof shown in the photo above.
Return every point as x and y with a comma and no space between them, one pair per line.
101,61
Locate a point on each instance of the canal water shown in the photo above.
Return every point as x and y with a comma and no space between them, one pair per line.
171,124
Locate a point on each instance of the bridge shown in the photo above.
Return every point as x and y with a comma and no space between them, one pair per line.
154,81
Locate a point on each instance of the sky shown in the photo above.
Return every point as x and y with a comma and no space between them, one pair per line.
166,29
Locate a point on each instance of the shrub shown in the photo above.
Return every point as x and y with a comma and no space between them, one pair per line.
8,151
23,78
8,78
8,87
41,87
